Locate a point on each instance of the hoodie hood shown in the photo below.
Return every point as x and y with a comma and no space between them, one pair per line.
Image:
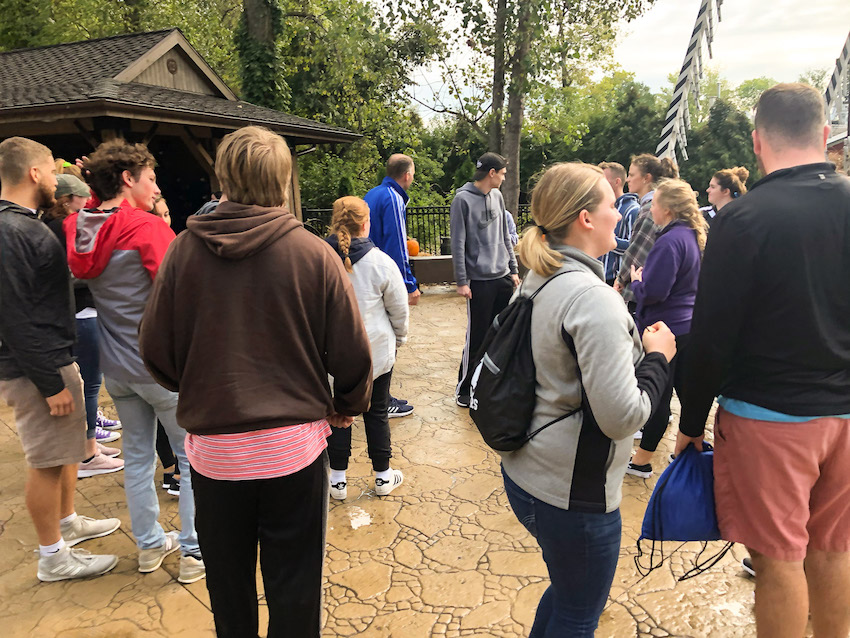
471,188
237,231
626,197
359,247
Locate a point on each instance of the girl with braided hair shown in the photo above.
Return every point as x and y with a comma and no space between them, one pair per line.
382,300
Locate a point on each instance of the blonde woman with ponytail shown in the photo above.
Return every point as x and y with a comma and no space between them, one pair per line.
564,485
382,300
665,290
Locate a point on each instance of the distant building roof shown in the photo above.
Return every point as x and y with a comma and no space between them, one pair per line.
156,76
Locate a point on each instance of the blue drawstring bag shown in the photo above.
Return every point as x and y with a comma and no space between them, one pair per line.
681,508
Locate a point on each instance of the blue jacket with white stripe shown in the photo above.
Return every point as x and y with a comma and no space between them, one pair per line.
388,216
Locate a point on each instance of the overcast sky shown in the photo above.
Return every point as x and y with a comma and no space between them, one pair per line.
774,38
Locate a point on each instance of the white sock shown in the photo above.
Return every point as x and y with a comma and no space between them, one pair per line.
68,519
386,475
49,550
337,476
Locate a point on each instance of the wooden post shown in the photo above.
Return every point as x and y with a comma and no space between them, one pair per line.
295,191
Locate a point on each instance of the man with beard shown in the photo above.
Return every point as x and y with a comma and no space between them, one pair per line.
38,376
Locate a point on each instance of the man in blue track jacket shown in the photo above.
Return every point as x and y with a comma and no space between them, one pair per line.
388,231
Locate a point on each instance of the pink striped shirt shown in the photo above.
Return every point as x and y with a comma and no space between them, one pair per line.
261,454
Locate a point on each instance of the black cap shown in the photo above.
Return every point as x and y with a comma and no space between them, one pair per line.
488,161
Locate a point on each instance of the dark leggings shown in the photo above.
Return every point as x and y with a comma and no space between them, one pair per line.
377,425
655,428
163,447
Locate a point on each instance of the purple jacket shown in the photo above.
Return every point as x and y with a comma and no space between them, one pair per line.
669,287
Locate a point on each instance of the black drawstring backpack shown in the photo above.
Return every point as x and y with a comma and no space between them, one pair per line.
504,382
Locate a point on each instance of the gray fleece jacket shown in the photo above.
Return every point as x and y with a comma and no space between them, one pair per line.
573,464
481,244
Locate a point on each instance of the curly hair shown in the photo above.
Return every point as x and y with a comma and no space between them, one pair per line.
349,215
105,167
679,198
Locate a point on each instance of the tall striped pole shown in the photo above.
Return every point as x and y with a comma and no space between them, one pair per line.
837,99
678,120
834,96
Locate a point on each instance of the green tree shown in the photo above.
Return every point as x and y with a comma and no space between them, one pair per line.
724,141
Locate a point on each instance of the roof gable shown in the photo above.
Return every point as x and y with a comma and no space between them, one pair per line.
140,57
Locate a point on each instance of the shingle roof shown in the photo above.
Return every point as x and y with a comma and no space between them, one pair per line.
80,74
75,61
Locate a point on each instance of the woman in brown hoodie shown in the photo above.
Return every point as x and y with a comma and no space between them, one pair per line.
249,315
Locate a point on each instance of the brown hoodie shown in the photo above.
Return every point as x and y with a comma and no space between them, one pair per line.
248,316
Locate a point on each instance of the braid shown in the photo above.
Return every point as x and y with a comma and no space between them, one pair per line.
349,215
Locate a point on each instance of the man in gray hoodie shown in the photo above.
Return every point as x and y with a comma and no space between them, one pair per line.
483,255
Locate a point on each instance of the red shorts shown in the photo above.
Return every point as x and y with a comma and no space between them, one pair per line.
782,488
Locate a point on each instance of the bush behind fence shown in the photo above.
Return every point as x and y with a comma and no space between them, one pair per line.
426,224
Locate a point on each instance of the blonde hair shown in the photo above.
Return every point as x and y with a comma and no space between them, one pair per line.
679,198
254,166
349,215
733,180
64,167
17,156
561,194
617,169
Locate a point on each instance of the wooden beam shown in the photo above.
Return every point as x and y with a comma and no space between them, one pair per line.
87,135
295,191
199,153
149,135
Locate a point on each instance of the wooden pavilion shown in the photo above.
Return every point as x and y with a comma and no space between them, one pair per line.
148,87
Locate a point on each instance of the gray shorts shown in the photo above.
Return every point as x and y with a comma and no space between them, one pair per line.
48,441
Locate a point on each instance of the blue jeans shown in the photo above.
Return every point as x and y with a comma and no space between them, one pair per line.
87,352
139,405
580,551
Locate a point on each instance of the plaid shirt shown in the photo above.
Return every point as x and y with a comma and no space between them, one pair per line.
643,239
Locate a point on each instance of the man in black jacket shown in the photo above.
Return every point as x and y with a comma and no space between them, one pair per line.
771,340
38,375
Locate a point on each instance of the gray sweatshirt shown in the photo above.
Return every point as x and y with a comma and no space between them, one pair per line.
481,244
558,466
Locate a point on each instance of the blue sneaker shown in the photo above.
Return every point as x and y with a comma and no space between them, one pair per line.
399,409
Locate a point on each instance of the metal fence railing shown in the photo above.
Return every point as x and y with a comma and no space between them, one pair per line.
429,225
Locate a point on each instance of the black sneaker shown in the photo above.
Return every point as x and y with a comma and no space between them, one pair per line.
173,486
405,401
167,479
398,409
747,564
643,471
462,400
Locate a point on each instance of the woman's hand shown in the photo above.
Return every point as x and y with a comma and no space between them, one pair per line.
637,273
658,338
340,420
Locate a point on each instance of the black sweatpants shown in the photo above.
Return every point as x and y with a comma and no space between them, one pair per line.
655,428
489,298
377,424
287,516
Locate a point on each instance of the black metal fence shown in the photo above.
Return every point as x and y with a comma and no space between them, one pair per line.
429,225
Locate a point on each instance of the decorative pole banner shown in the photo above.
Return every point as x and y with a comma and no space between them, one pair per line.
836,90
678,119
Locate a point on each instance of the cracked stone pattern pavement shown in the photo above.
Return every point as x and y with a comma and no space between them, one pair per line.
443,555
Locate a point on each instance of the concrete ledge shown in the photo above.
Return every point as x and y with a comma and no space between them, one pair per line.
430,269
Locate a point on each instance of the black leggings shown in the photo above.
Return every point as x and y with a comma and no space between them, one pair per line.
655,428
377,425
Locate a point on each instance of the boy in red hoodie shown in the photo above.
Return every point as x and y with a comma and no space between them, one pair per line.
118,248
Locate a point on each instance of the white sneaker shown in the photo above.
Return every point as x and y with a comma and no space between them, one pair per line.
70,563
638,435
191,570
99,464
84,528
339,491
382,487
151,559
